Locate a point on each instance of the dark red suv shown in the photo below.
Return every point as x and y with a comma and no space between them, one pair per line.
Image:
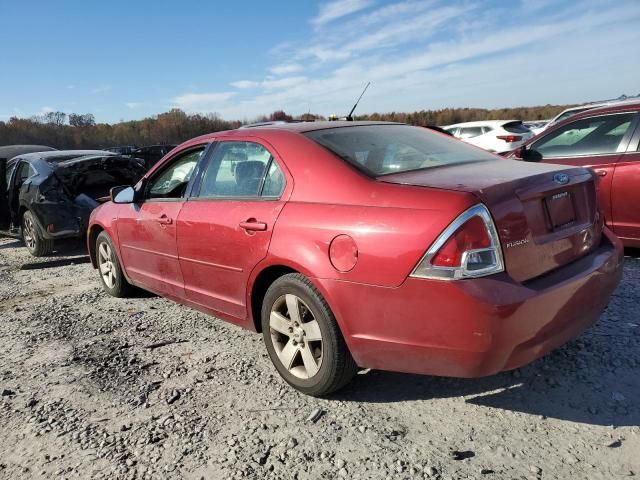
606,139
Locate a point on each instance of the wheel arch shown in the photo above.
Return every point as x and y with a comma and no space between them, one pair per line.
94,231
259,287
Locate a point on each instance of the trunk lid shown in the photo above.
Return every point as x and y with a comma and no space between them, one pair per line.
546,215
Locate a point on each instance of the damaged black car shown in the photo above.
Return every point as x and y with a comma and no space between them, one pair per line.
50,195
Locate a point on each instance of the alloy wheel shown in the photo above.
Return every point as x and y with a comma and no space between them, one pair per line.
296,336
29,233
105,262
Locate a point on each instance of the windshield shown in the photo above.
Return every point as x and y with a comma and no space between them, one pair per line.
385,149
570,113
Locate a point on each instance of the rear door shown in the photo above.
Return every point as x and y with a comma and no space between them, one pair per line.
597,142
625,193
225,228
147,230
18,182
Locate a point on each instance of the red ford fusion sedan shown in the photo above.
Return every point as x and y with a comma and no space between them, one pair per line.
363,244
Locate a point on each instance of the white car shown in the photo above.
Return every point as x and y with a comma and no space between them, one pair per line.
493,135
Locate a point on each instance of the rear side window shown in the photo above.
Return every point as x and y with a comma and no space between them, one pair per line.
588,136
385,149
470,132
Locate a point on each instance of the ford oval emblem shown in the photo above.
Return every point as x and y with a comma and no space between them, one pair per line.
561,178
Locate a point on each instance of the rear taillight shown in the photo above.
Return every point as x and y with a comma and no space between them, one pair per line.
468,248
509,138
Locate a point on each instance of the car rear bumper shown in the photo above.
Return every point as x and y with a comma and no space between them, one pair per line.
476,327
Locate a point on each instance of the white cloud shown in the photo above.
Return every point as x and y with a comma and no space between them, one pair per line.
71,87
423,54
245,84
134,105
337,9
269,83
285,69
201,102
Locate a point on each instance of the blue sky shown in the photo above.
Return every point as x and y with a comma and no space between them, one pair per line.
127,60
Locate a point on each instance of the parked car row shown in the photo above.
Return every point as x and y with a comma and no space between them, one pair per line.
493,135
149,154
368,244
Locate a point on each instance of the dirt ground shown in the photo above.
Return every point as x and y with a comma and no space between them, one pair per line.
89,391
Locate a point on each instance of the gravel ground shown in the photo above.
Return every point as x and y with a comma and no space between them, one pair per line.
89,391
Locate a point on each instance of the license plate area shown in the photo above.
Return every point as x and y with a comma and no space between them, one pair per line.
560,209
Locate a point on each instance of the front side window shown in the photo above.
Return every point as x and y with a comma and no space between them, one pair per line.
172,181
588,136
385,149
241,169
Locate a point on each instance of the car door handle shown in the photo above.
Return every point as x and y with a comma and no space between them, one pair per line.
164,220
253,225
601,173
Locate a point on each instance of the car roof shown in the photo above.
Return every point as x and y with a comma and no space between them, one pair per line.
303,127
482,123
61,155
605,103
10,151
296,127
621,106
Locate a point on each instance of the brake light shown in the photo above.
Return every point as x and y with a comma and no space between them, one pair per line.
509,138
472,235
469,247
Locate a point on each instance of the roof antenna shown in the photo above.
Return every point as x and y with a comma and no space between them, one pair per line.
349,117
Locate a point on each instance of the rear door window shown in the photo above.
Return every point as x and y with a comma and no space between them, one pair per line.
588,136
241,170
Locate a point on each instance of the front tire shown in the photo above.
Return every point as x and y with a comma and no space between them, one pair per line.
37,245
111,276
303,339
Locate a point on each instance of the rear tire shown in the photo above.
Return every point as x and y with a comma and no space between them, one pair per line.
37,245
307,347
111,276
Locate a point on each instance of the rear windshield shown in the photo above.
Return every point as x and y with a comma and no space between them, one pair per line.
385,149
516,127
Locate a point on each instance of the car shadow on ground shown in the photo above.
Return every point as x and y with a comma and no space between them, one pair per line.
534,390
66,252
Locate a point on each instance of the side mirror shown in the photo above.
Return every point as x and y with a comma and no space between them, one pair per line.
529,155
122,194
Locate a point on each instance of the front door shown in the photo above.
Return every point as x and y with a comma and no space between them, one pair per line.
225,228
147,229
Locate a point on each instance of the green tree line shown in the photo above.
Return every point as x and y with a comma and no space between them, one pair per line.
59,130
